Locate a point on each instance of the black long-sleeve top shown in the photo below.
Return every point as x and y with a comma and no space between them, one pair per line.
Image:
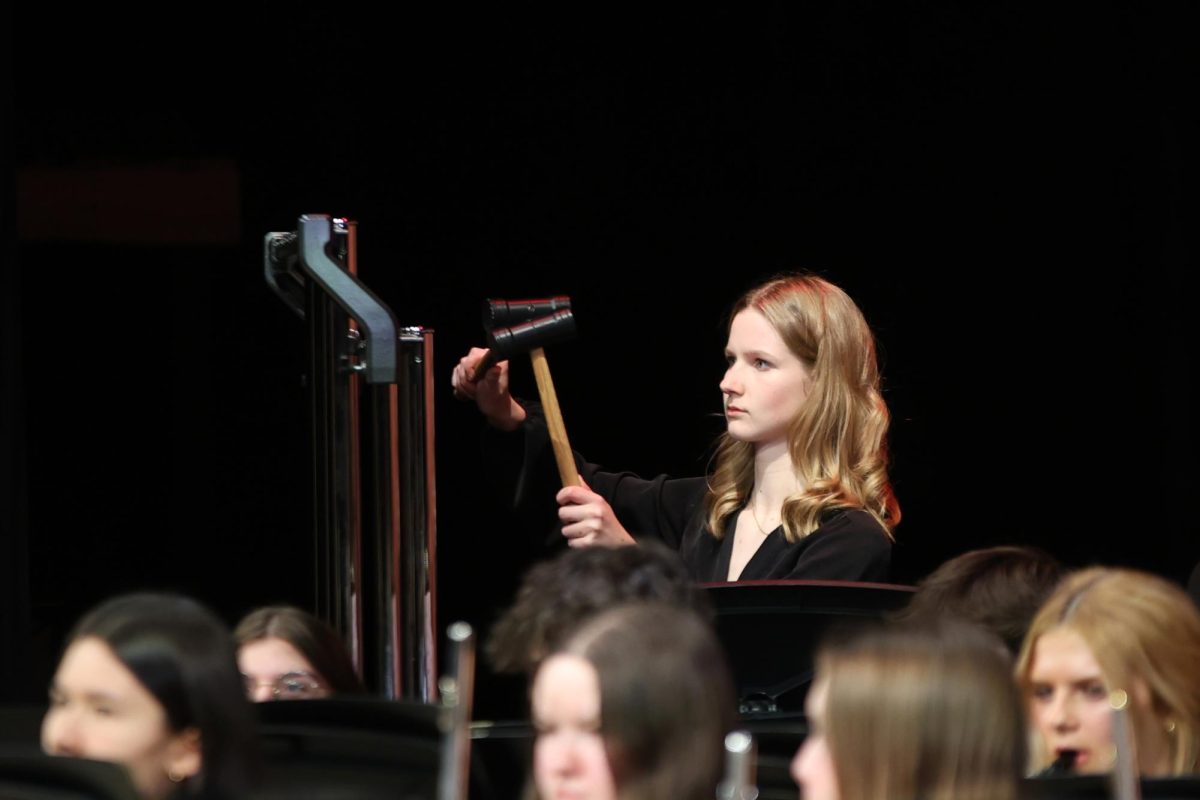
849,544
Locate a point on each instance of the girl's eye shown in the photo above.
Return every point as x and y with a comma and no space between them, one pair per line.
1096,691
761,364
1042,692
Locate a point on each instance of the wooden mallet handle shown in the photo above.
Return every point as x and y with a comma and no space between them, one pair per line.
485,363
554,421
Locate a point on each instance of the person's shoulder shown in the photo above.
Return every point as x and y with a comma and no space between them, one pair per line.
688,492
855,522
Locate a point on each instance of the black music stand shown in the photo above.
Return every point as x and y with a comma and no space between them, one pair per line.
25,776
354,748
771,630
1100,787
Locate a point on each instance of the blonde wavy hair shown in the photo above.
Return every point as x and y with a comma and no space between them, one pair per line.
1139,627
838,440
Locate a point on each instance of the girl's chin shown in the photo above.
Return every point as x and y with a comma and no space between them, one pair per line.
1086,763
741,433
754,438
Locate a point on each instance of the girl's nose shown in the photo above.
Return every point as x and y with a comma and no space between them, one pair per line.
730,384
1063,713
61,734
260,691
565,756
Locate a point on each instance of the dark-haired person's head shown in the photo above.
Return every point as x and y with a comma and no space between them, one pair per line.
557,595
1000,588
634,704
150,681
286,653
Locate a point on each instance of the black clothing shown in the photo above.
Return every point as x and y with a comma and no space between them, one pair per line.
848,545
1193,584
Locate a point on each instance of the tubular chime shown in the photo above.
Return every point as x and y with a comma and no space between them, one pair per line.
741,755
457,689
370,386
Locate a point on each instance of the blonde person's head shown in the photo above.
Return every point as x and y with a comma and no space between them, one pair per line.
1144,634
838,439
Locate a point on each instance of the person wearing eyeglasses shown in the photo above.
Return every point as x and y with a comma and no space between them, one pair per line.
286,653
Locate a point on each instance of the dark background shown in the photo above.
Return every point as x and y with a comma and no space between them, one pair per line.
1009,193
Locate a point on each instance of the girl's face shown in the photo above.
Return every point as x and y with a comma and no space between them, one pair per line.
1068,701
275,670
765,384
1069,705
570,761
813,766
100,710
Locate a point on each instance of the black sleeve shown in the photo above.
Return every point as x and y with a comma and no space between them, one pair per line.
521,473
522,465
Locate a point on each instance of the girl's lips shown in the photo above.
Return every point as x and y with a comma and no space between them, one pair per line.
734,410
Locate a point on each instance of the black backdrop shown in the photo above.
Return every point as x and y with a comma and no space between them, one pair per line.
1009,194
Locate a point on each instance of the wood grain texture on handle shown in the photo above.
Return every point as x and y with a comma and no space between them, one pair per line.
554,421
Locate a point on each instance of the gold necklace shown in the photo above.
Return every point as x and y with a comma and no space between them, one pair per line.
757,524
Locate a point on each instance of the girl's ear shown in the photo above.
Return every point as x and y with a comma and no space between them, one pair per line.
184,757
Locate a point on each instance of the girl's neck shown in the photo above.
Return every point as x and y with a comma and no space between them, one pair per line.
775,478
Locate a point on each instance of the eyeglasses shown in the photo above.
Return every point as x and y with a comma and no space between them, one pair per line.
289,686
